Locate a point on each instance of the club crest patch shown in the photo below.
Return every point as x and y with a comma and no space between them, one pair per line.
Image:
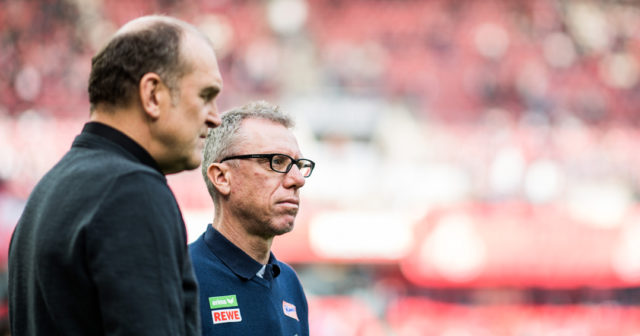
289,310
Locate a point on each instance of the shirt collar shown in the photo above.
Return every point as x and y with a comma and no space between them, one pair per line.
237,260
123,140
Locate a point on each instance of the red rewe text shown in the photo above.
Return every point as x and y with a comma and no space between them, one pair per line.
226,315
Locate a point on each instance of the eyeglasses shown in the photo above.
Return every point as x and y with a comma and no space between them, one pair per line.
280,163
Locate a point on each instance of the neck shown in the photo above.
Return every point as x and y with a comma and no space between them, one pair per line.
132,122
258,248
128,122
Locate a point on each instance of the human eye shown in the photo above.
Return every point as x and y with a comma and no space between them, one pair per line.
305,166
280,162
278,159
209,94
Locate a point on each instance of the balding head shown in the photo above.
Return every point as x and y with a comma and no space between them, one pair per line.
143,45
147,22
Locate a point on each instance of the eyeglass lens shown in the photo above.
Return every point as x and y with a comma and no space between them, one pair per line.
283,163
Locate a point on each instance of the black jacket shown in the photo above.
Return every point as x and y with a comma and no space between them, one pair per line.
101,249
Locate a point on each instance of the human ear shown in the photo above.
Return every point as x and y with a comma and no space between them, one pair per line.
220,177
152,93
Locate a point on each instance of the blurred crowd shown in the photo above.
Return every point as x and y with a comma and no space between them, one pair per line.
524,99
405,105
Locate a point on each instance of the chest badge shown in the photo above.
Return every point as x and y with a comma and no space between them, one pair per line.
289,310
228,313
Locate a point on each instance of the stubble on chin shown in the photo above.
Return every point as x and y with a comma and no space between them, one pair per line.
278,229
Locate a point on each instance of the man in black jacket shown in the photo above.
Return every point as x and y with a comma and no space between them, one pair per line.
101,246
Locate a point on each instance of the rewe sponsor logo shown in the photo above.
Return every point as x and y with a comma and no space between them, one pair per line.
216,302
226,315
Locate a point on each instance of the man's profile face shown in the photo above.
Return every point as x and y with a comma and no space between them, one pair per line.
193,107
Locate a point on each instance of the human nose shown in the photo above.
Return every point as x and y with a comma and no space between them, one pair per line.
294,178
213,119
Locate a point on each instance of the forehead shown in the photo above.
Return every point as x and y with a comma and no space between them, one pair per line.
265,136
200,55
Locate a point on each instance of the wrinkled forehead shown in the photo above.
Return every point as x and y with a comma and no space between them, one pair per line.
266,136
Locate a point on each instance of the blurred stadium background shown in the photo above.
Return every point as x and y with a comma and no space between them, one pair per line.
477,164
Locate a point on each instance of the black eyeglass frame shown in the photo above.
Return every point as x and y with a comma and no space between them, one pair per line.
270,157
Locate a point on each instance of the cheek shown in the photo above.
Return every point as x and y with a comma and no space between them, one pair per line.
257,187
196,115
265,192
191,109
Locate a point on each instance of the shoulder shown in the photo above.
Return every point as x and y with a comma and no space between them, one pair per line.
285,268
99,155
212,274
287,273
90,179
204,261
104,163
289,283
198,249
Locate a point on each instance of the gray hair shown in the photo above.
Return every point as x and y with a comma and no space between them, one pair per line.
222,140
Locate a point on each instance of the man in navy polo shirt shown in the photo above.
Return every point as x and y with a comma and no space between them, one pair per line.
254,171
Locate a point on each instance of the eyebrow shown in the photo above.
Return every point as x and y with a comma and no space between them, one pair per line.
210,91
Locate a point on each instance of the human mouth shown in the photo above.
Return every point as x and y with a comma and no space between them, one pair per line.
202,138
290,202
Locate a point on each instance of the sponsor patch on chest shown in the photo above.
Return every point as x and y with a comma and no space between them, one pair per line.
226,315
226,301
289,310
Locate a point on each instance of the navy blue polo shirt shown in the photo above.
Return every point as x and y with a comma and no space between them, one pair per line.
240,296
